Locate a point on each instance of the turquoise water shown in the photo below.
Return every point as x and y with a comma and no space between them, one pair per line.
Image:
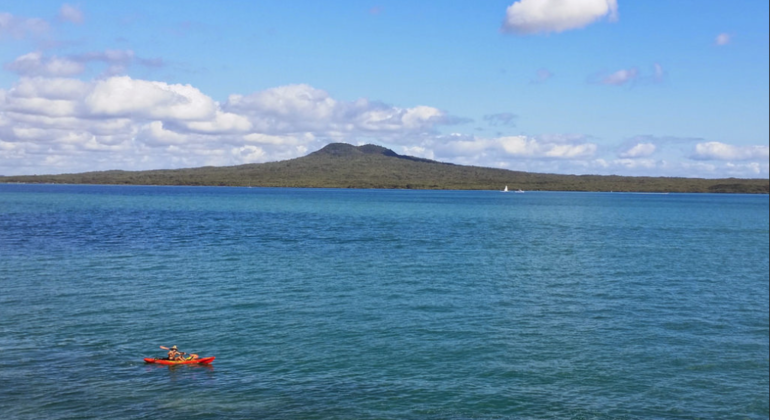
369,304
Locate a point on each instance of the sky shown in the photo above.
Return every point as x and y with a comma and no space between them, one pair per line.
610,87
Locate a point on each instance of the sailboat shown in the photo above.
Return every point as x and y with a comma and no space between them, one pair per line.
505,189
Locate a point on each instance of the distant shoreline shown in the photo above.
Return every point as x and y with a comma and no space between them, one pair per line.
375,188
344,166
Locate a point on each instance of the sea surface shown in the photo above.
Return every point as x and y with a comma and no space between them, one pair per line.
379,304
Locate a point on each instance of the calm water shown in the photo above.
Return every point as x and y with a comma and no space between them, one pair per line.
352,304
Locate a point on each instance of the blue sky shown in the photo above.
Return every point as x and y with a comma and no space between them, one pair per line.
675,88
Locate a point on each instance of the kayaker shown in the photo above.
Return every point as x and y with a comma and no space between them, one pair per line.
174,353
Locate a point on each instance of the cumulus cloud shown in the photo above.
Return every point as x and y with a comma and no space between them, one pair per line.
475,150
70,13
721,151
284,101
221,123
419,151
543,16
43,97
248,154
722,39
522,146
302,107
127,97
741,169
639,150
155,134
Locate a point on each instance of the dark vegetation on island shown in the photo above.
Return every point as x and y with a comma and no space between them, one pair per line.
342,165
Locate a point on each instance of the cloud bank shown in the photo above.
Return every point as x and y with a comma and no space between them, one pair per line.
721,151
154,124
54,125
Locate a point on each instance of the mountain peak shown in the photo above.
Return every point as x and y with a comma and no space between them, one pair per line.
344,149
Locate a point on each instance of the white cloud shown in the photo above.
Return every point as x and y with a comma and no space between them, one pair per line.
124,96
34,64
50,88
721,151
249,154
741,169
117,61
418,151
638,151
636,163
620,77
17,27
70,13
57,97
513,147
158,135
522,146
293,108
543,16
43,106
722,39
419,117
630,76
659,74
223,122
277,140
285,101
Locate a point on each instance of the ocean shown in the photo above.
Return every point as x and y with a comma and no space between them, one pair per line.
382,304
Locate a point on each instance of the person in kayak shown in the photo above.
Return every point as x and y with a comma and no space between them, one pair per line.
174,353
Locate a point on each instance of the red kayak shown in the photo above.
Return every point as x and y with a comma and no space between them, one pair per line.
200,361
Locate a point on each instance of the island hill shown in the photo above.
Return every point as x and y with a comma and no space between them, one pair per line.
340,165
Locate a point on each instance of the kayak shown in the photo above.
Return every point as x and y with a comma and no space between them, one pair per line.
200,361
